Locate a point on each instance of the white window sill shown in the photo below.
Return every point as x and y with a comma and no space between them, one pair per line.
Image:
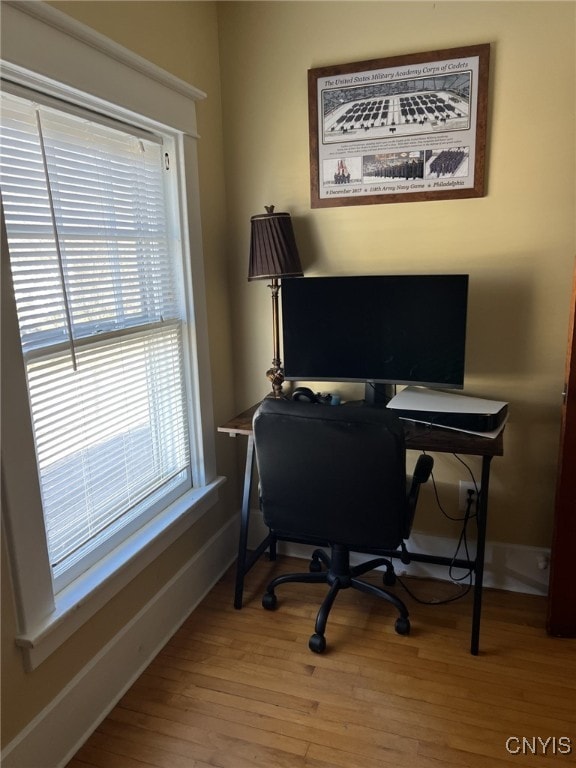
79,601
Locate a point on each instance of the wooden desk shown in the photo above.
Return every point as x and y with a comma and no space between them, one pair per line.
419,437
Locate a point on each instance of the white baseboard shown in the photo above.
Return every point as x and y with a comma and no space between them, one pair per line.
512,567
56,733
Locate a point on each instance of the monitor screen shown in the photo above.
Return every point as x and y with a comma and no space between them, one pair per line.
395,329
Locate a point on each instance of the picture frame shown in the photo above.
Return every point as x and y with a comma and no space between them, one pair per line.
407,128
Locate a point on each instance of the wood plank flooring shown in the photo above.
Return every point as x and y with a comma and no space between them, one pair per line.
240,689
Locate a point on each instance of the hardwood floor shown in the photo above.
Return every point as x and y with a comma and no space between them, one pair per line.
240,689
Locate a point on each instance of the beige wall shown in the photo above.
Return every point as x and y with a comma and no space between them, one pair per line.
517,243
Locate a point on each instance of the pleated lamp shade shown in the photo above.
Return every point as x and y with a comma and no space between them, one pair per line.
273,251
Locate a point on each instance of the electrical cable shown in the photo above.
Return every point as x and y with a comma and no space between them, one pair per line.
462,543
464,591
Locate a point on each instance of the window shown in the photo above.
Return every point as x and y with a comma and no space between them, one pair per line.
96,276
116,356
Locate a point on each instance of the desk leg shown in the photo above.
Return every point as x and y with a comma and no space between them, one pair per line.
481,521
244,523
246,561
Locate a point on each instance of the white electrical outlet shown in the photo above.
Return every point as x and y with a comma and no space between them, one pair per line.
466,486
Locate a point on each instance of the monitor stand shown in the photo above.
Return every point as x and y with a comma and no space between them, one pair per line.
378,394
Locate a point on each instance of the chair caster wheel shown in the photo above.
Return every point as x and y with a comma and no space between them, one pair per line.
389,578
402,626
317,643
315,566
269,601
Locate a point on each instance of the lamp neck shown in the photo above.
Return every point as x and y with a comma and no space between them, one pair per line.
275,373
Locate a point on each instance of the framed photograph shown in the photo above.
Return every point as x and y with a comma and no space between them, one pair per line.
401,129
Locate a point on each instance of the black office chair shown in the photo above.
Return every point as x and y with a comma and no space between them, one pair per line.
335,476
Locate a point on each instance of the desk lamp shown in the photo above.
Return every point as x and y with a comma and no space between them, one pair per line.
273,254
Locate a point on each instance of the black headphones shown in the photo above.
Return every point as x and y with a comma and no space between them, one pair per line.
305,395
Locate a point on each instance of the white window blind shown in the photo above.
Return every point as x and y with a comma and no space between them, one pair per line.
96,281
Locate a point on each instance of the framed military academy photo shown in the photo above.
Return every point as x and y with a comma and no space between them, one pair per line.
402,129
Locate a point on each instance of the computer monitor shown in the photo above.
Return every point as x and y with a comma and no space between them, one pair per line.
377,329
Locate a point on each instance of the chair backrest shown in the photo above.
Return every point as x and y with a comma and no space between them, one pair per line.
332,474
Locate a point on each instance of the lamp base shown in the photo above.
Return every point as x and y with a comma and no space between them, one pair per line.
276,396
276,376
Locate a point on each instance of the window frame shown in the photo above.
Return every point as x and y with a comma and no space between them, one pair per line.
127,88
90,335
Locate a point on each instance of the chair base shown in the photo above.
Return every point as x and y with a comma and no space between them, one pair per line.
339,575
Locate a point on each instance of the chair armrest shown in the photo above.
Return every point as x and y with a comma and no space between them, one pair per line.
423,469
421,474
